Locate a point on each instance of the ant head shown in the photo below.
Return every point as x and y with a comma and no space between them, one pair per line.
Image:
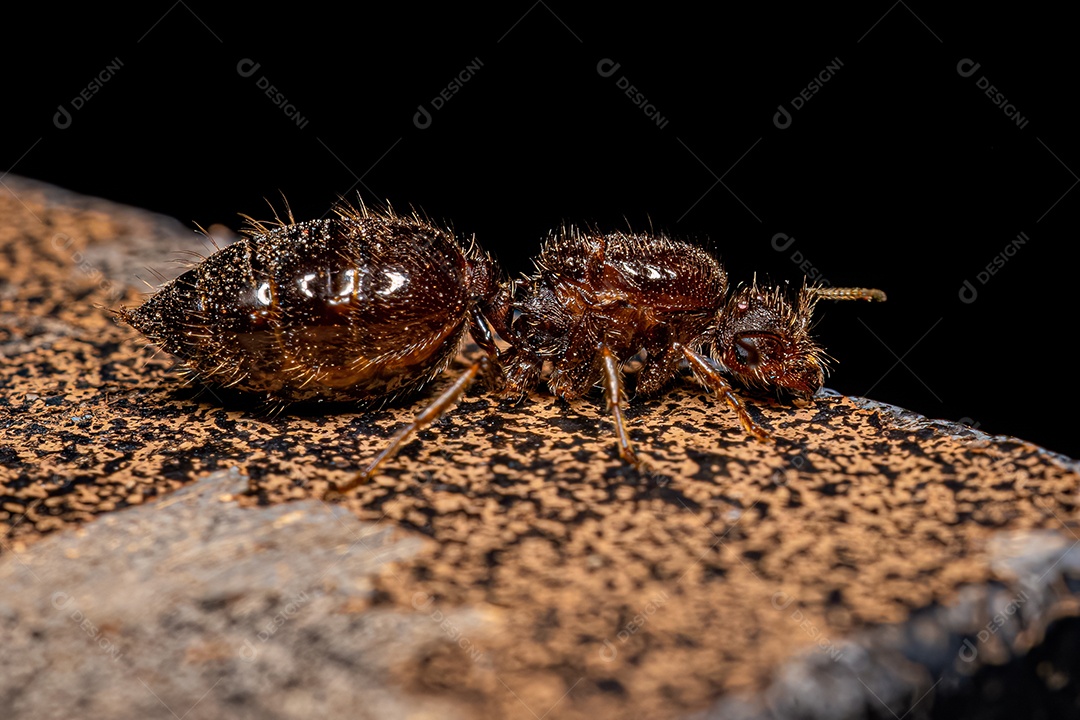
763,338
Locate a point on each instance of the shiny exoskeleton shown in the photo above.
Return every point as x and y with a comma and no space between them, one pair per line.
367,306
763,338
596,301
362,306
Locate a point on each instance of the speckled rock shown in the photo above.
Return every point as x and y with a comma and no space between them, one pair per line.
837,572
195,605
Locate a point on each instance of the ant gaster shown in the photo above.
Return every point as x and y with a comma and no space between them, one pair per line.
367,306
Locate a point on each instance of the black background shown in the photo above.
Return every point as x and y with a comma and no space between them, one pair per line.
899,173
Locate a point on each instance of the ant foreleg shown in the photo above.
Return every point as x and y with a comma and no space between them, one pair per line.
707,375
430,414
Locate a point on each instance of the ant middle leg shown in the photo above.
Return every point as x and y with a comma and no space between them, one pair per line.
616,403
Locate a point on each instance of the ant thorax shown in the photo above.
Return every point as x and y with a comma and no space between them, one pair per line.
622,292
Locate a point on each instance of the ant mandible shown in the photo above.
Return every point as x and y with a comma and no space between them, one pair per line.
368,306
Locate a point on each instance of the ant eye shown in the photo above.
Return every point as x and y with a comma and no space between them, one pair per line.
746,353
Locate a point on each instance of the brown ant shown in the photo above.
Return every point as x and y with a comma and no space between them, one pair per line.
368,306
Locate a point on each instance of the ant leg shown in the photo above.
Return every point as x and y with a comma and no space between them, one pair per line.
480,330
521,373
616,403
707,375
429,415
661,365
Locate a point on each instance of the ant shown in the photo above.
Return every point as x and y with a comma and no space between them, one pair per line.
369,306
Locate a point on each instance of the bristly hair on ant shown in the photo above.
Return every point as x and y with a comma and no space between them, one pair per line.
763,338
369,305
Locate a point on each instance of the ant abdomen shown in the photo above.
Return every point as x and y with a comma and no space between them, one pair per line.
362,306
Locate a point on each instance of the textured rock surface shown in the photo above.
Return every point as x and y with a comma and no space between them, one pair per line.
506,564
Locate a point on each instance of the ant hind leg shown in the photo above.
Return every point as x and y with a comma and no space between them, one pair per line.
430,414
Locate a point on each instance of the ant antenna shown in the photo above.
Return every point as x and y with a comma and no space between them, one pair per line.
839,293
